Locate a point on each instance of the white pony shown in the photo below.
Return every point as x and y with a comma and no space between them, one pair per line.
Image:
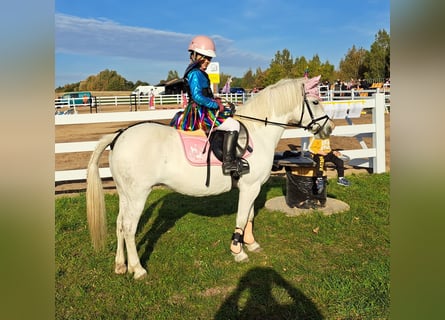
150,154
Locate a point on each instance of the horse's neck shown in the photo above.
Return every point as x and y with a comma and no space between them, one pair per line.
270,132
273,131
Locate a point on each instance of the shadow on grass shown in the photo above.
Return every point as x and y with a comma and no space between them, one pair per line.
255,298
174,206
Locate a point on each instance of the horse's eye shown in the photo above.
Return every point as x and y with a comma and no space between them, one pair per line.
315,102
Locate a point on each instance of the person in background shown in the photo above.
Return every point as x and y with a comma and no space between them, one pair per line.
321,152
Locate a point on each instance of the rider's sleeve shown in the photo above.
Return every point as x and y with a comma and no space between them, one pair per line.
197,82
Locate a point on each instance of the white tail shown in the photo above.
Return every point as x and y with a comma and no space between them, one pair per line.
95,201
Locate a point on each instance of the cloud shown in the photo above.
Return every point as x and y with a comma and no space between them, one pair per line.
103,37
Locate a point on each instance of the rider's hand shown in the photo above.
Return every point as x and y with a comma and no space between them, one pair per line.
220,105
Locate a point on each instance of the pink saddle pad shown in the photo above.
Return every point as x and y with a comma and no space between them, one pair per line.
194,143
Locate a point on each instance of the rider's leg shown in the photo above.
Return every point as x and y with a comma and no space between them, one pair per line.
229,124
230,162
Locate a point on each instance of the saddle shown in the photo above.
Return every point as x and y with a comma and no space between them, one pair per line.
197,148
200,152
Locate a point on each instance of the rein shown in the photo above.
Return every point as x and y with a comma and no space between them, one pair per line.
297,125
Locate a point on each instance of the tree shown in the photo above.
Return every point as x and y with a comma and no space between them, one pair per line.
248,79
172,75
236,82
327,72
280,67
299,67
378,58
260,78
353,64
106,80
314,66
139,83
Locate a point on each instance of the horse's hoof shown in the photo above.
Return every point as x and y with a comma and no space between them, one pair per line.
120,268
140,275
254,247
241,256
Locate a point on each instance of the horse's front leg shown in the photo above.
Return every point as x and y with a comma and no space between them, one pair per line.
243,233
249,239
236,246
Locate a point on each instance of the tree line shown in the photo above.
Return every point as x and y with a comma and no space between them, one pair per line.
358,63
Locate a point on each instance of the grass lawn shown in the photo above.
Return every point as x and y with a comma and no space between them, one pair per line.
340,272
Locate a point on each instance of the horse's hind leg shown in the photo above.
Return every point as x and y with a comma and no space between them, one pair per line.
119,262
130,211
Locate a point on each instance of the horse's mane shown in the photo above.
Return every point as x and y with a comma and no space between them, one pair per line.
279,96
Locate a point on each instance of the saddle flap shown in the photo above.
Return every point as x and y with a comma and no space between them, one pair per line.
195,148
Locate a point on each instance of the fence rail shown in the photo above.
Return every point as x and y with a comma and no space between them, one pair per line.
370,157
177,99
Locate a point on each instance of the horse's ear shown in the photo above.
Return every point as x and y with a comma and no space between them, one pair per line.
312,82
311,86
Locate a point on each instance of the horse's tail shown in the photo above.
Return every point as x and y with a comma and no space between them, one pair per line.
95,201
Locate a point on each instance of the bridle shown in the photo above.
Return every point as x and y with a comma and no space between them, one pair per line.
309,126
314,121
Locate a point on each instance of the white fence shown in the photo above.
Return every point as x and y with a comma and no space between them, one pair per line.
142,102
371,157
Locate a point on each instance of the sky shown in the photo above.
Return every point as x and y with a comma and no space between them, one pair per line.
144,40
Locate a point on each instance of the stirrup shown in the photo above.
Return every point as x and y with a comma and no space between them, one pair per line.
229,167
237,168
243,166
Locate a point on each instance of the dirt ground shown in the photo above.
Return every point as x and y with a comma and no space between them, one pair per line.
91,132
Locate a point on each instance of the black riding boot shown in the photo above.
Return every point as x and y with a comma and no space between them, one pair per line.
230,163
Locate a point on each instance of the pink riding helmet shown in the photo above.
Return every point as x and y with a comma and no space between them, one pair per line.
203,45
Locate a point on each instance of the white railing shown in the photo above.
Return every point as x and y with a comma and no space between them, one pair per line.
353,94
371,157
143,102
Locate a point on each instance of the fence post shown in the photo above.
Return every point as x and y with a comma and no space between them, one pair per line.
378,117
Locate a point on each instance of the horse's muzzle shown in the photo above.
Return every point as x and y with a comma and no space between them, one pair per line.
326,130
